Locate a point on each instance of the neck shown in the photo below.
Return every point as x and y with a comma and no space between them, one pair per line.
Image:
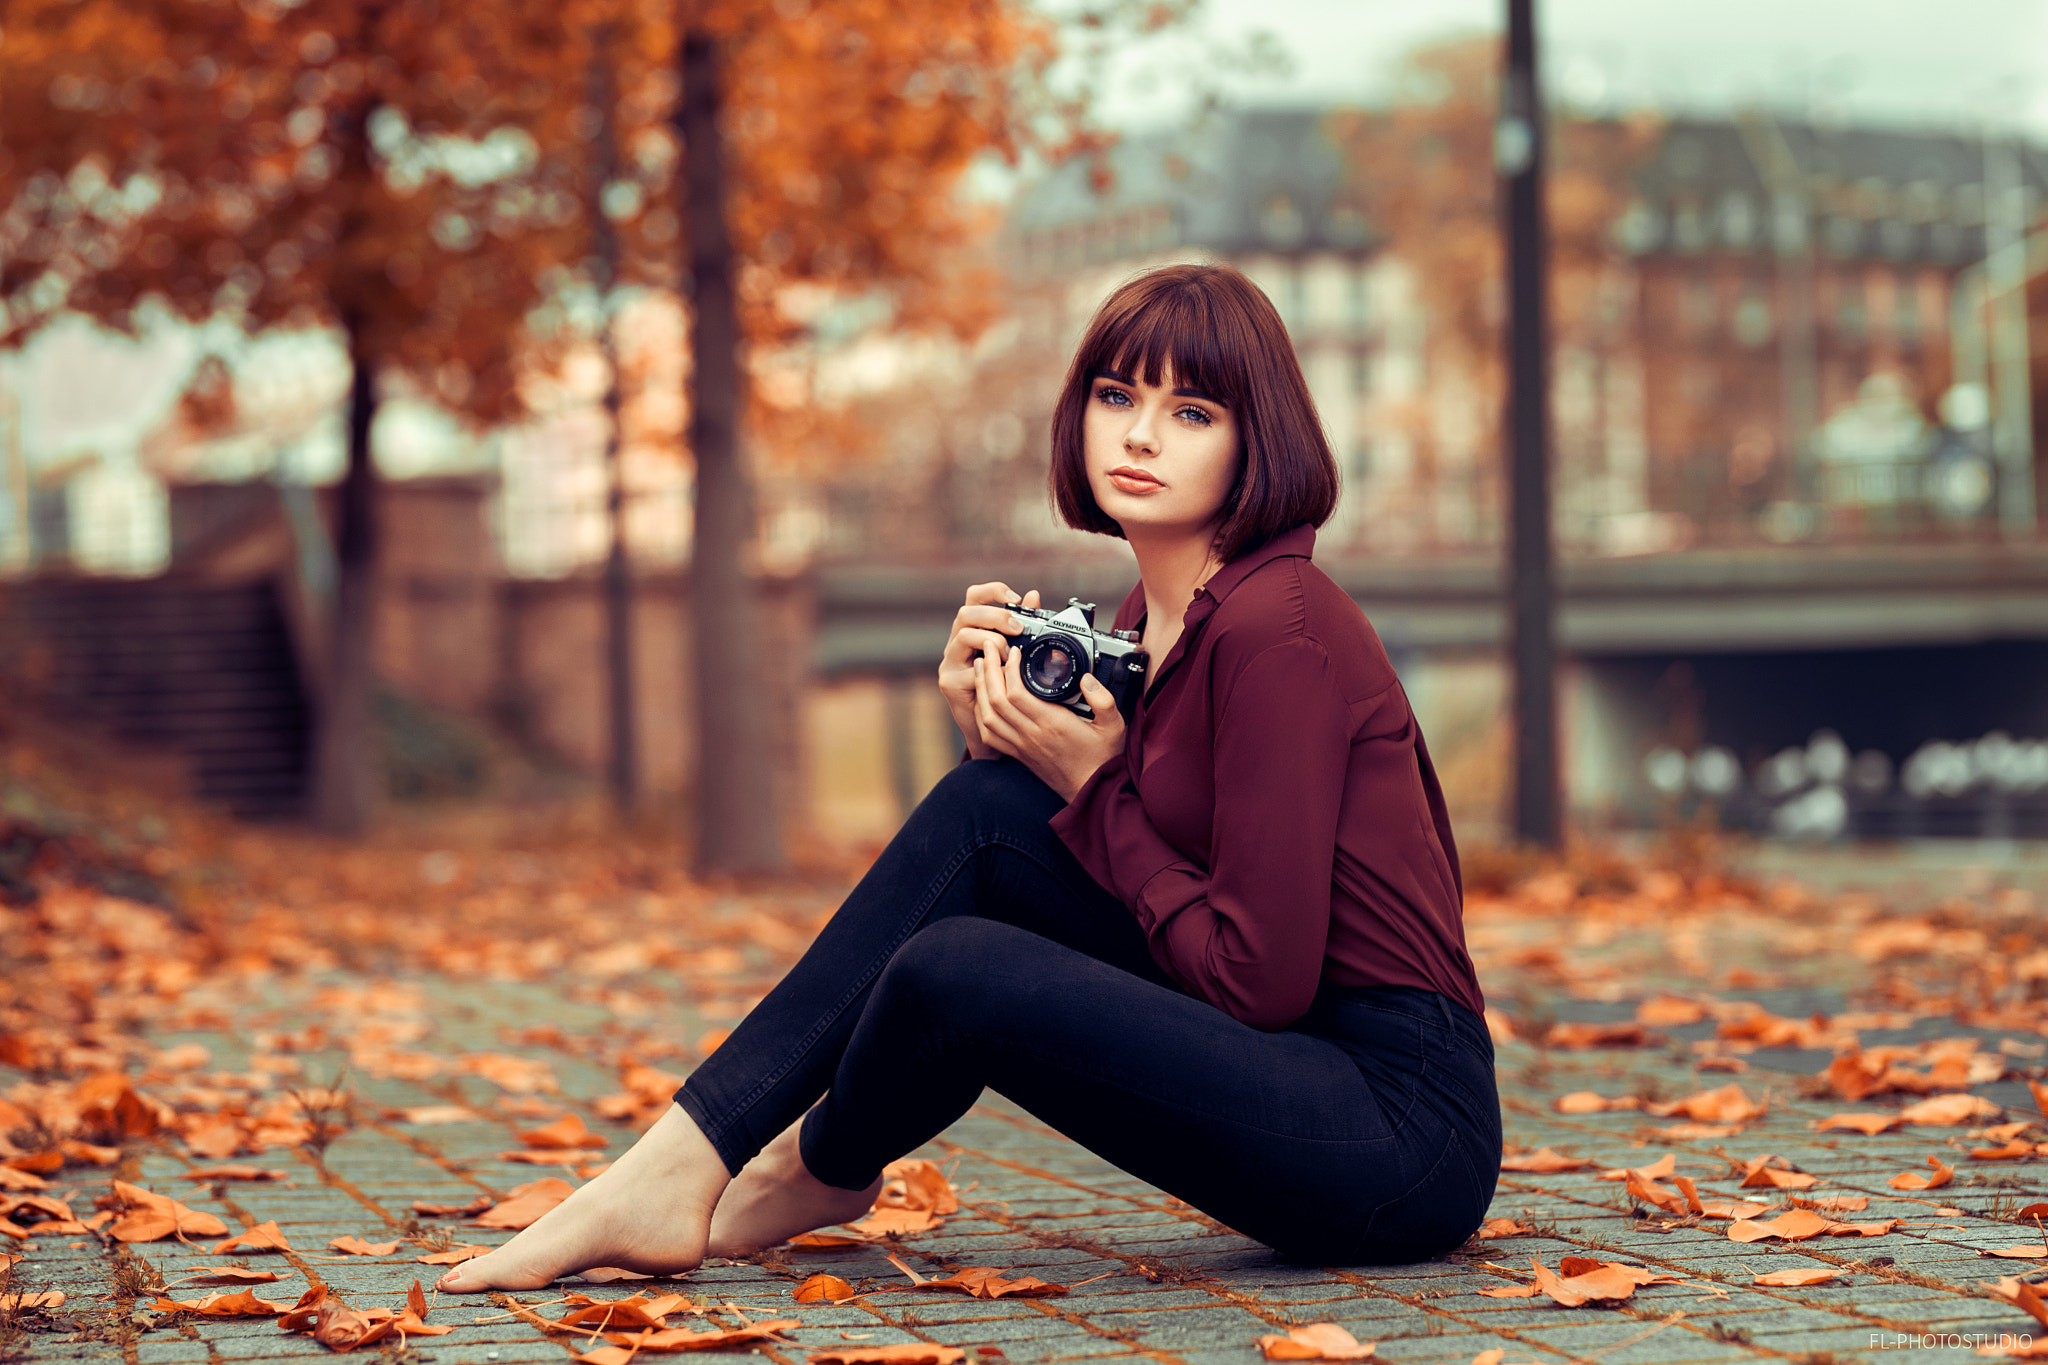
1172,566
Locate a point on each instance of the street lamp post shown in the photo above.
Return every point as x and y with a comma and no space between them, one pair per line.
1518,154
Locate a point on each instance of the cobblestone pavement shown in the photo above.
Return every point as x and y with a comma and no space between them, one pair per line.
1165,1283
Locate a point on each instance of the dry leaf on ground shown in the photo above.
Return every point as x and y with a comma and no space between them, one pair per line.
353,1245
1760,1175
1503,1227
566,1131
2022,1296
454,1255
1656,1170
526,1203
1870,1125
903,1353
1831,1203
2033,1251
1949,1110
1913,1180
1544,1160
229,1274
1818,1275
2011,1151
629,1344
22,1301
1723,1105
1592,1102
1668,1011
426,1209
211,1174
150,1217
241,1304
1317,1341
262,1237
1583,1035
829,1288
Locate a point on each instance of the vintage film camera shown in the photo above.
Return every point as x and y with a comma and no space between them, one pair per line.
1060,647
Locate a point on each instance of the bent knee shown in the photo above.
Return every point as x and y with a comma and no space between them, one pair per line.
952,965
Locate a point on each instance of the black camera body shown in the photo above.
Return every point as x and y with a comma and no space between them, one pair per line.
1061,647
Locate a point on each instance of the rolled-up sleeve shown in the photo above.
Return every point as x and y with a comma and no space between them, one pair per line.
1247,933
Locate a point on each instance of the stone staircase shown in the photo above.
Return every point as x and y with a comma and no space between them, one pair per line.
206,670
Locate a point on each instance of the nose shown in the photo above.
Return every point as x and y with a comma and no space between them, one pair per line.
1141,436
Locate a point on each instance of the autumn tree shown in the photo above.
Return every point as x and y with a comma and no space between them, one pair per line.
817,145
398,170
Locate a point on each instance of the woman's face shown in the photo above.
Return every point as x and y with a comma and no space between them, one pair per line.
1160,458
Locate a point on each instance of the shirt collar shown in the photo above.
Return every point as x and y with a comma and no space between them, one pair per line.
1299,541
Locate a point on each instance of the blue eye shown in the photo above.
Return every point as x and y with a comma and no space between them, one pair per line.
1196,414
1113,397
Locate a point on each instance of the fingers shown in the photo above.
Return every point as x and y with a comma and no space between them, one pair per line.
993,594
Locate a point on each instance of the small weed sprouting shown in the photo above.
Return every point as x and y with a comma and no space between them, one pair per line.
1721,1331
133,1276
329,1111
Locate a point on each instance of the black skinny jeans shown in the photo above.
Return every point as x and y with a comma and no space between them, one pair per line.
978,952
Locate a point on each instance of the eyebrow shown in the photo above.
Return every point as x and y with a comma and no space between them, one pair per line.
1126,380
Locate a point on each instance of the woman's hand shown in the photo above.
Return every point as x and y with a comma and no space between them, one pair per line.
979,625
1063,748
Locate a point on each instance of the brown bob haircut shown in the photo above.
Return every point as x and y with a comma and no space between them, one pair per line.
1221,335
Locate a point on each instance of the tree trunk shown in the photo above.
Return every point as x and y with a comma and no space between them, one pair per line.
346,766
738,831
618,572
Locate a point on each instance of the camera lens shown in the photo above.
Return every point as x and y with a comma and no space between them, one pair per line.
1052,667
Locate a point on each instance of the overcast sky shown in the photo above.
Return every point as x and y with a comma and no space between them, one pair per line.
1954,62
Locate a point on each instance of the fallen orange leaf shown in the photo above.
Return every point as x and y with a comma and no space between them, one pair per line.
262,1237
1592,1102
1722,1105
524,1206
1656,1170
454,1255
1913,1181
1544,1160
2036,1252
1583,1035
1316,1341
470,1210
566,1131
1868,1124
2022,1296
1818,1275
1503,1227
2011,1151
243,1304
150,1217
830,1288
1665,1011
1948,1110
22,1301
1793,1226
904,1353
353,1245
218,1173
1759,1175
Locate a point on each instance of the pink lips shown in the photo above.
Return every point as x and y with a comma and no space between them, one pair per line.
1133,480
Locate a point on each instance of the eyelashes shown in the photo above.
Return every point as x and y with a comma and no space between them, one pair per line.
1117,398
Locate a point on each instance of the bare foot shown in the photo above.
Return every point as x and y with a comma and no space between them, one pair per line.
774,1198
650,1212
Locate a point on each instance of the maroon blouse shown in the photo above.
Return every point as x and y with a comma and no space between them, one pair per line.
1274,820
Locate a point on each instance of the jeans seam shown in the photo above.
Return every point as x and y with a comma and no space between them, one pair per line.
933,892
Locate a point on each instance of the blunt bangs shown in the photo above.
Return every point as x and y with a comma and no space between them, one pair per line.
1221,336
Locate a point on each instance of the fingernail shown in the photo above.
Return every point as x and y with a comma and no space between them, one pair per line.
1016,624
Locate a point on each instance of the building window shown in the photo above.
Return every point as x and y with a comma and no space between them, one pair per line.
1852,309
1738,220
1699,304
1752,322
